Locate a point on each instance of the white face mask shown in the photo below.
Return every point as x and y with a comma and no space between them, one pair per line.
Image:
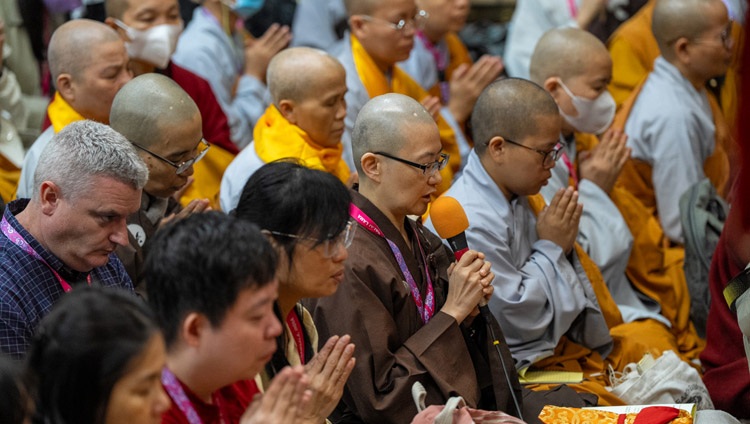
154,45
594,116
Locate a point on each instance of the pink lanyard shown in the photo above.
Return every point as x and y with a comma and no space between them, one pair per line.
292,320
571,168
572,7
426,308
441,61
19,241
178,395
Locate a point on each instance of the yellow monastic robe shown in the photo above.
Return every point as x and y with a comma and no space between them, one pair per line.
633,49
631,340
9,176
377,83
458,55
654,267
276,138
207,177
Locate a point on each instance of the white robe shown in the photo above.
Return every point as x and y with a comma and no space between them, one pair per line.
236,175
531,19
540,295
315,24
671,127
26,182
205,50
605,236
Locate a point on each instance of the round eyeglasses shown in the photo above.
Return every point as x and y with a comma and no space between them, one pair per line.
330,245
202,146
417,22
549,157
427,168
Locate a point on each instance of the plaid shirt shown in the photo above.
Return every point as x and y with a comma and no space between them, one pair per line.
29,289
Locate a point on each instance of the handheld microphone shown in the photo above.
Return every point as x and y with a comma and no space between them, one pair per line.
450,222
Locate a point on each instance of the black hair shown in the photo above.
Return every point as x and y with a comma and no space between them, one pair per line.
286,197
200,264
14,398
81,349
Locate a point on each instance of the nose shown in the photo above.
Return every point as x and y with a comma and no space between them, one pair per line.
274,328
437,177
188,172
120,234
341,113
162,402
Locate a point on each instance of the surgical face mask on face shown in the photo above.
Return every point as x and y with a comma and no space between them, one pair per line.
244,8
594,116
154,45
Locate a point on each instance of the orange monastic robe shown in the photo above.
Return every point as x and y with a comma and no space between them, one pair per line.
631,340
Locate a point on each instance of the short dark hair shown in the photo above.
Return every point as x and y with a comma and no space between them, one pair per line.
286,197
200,264
14,401
82,348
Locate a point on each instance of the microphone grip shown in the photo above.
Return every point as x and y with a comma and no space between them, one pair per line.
458,245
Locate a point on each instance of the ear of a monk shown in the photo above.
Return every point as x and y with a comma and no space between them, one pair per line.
496,149
288,110
64,84
552,86
356,25
372,167
681,50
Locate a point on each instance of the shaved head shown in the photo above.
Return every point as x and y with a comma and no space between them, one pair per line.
287,81
360,7
71,46
564,53
380,123
679,18
148,105
116,8
510,107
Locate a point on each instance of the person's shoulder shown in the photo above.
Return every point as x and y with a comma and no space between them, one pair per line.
114,274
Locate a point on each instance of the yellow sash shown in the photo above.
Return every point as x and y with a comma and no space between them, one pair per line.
61,113
276,138
377,84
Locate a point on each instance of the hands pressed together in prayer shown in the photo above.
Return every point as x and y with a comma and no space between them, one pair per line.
558,222
467,83
602,164
259,51
469,281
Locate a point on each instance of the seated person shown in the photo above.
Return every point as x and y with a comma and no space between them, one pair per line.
88,64
382,34
549,296
441,64
634,49
88,182
320,24
725,357
311,230
150,30
675,130
215,307
532,18
410,318
215,49
92,354
164,124
574,67
305,121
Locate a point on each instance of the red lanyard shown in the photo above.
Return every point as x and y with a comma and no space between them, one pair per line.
425,307
16,238
572,8
571,168
292,320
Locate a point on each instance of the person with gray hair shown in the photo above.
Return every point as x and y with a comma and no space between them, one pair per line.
88,181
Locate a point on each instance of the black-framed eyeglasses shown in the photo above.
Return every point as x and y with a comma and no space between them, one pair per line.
344,238
203,145
427,168
417,22
549,157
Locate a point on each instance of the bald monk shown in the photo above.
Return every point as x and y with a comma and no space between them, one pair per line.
381,35
549,298
440,62
305,121
676,131
436,340
88,65
574,67
164,124
634,49
157,23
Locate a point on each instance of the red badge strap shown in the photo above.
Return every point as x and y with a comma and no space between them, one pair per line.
292,320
